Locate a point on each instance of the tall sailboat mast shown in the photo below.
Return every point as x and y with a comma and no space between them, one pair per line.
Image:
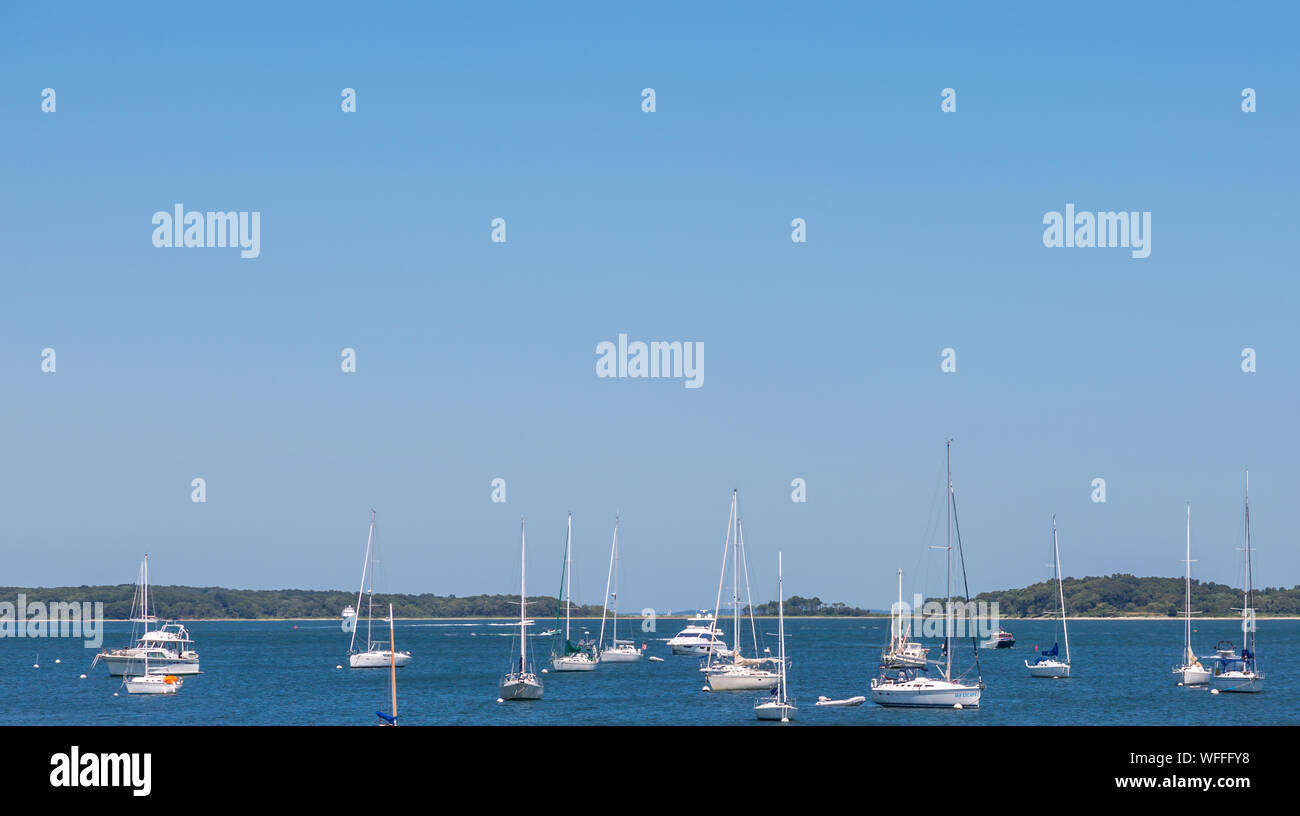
780,626
523,601
1248,609
613,550
365,571
722,577
568,579
614,566
370,608
145,589
947,633
1187,602
735,574
1060,588
896,637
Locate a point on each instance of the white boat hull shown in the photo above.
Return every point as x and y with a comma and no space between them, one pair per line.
1193,675
620,656
852,701
925,694
772,711
741,680
130,665
573,663
515,688
378,660
153,684
1238,682
697,649
1048,668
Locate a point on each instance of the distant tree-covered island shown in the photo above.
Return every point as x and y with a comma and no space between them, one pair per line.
202,603
796,606
1109,596
1121,595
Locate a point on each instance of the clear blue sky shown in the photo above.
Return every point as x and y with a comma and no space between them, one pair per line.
477,360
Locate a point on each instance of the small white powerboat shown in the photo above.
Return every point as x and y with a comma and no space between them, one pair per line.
852,701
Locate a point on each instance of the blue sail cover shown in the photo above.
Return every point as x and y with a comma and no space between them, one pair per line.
386,718
1052,652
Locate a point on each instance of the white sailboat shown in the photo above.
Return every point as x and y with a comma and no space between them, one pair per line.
1049,663
375,655
618,651
569,658
780,706
166,647
909,687
902,651
521,683
741,673
1190,672
155,680
1239,672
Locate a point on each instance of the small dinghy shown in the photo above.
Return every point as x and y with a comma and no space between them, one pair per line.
654,659
852,701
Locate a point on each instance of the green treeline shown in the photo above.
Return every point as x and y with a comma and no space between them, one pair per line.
191,603
1094,596
1123,595
799,606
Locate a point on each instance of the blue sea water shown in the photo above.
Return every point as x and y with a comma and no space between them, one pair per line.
283,673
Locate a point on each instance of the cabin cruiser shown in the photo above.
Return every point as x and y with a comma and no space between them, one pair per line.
1001,640
699,638
166,649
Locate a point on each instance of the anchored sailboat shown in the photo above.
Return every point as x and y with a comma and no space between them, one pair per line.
1238,672
153,681
1190,672
910,687
521,682
569,658
902,651
618,651
780,706
1049,663
375,655
741,673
